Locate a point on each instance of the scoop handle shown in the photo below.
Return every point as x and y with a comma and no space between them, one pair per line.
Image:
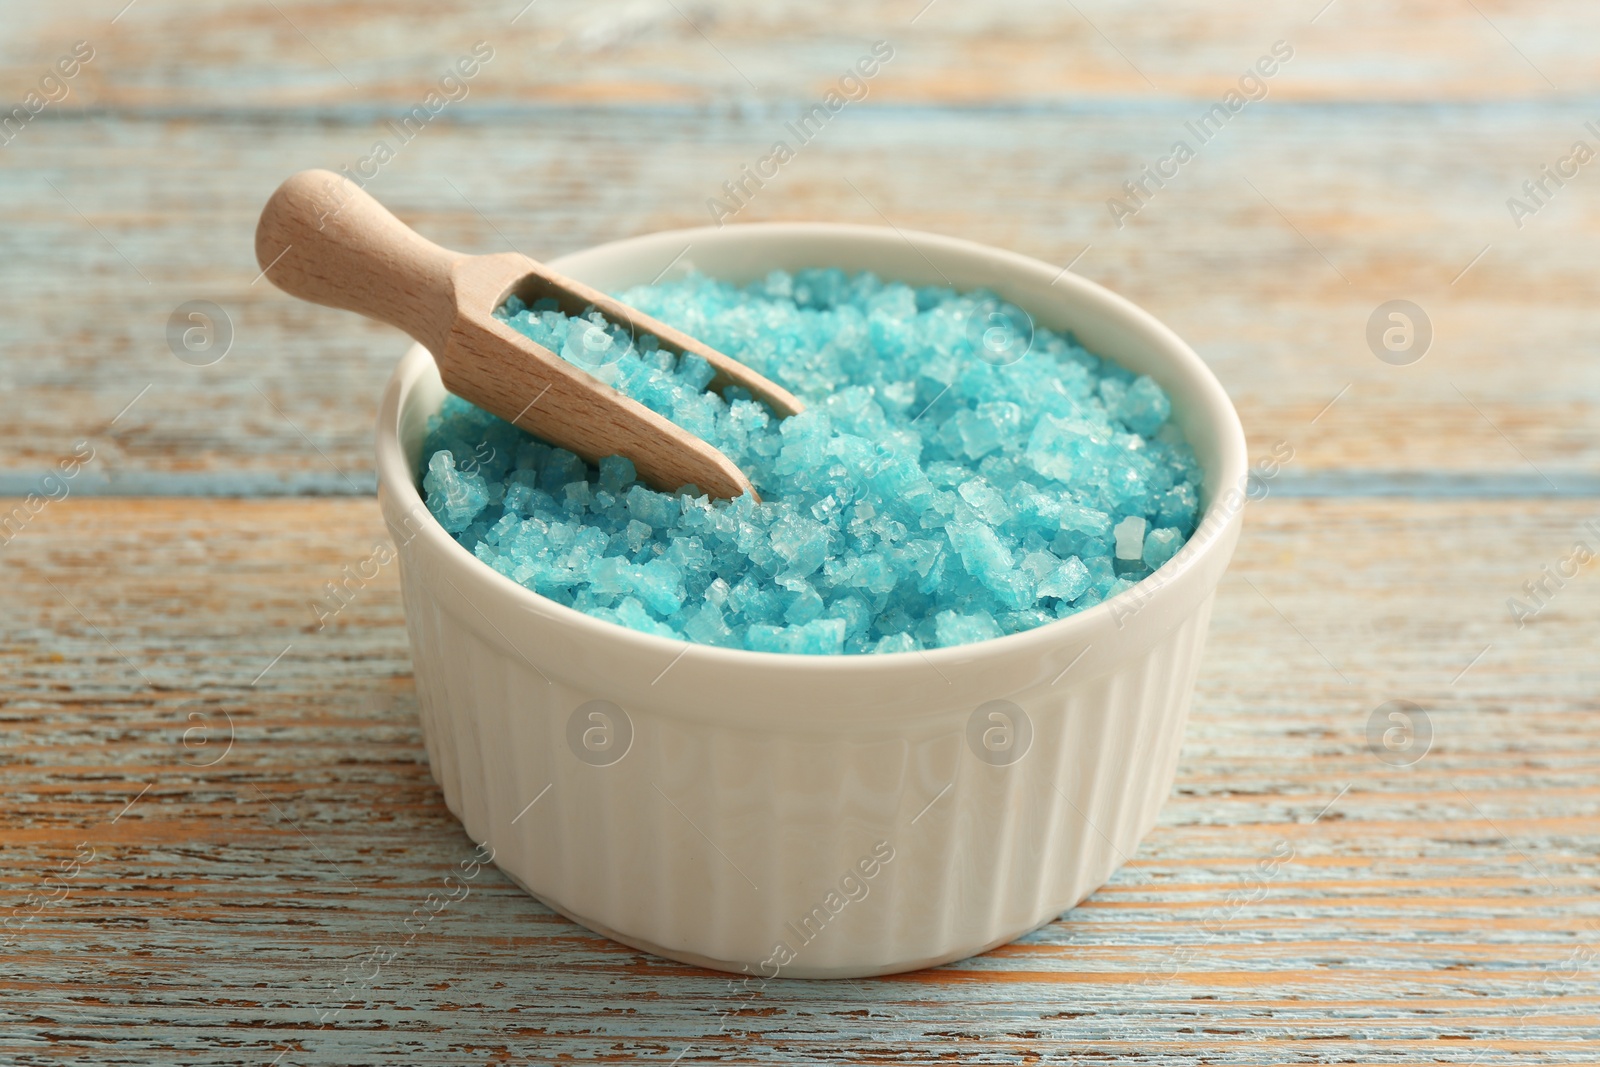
324,239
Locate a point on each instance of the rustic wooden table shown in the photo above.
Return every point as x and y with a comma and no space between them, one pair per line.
213,811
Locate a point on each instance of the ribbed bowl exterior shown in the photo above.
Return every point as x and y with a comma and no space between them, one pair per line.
714,845
813,816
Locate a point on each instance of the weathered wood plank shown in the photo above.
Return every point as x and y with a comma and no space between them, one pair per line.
1442,912
1428,913
278,53
1269,252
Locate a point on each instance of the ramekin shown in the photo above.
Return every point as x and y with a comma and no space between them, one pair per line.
799,816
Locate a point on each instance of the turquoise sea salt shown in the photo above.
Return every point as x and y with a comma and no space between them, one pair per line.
926,497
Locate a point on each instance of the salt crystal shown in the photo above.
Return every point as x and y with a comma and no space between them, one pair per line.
1160,546
900,642
1130,537
1066,582
1144,407
924,499
957,629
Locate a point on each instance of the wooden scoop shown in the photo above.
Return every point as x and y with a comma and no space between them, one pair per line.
323,239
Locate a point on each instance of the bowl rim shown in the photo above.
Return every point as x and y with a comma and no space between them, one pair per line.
1211,535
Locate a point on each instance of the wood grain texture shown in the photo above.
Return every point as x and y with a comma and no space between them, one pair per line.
286,53
1445,912
1400,201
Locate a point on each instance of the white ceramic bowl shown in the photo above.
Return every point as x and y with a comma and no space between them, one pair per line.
807,816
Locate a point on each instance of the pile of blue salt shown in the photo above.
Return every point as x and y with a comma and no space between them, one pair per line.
926,497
